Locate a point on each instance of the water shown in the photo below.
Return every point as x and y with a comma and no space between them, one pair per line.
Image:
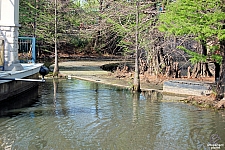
75,114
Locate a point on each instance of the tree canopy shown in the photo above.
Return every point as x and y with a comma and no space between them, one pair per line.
203,18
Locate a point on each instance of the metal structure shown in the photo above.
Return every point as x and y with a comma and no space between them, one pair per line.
26,51
1,55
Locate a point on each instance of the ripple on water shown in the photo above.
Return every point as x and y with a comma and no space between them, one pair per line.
83,115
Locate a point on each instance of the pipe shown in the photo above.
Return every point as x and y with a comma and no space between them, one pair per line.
18,79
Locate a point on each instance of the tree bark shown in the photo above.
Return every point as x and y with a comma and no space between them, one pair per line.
136,85
201,69
98,34
223,66
56,67
217,71
220,83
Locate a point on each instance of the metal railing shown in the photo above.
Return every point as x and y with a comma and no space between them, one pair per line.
2,54
26,50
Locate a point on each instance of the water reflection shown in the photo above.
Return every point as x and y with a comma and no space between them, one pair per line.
152,95
25,99
75,114
55,86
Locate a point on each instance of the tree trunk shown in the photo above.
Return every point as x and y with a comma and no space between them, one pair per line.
136,85
56,67
202,69
196,70
223,67
220,84
98,34
217,71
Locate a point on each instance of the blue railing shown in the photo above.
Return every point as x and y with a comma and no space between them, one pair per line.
26,51
2,46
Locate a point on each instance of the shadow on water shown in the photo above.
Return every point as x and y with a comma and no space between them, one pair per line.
23,100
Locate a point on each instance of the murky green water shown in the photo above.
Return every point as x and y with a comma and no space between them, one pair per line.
75,114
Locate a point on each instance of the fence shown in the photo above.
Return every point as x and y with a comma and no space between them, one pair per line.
26,51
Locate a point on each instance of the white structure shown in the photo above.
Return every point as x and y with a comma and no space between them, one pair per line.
9,25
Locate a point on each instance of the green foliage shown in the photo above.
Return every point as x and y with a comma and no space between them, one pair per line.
195,56
215,53
121,17
78,42
26,18
218,58
126,45
37,19
202,18
90,5
121,30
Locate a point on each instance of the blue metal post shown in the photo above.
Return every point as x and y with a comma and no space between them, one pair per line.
33,50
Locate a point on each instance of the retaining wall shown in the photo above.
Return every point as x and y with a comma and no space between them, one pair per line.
13,88
188,87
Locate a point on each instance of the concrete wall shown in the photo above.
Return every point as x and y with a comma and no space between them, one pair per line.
26,98
9,26
187,87
13,88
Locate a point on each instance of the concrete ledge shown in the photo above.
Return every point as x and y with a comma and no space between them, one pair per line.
187,87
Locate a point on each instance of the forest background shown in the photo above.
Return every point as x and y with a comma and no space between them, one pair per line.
170,38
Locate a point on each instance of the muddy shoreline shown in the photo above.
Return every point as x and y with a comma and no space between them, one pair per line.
92,70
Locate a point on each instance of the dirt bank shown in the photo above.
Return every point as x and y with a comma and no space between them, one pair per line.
205,102
92,71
